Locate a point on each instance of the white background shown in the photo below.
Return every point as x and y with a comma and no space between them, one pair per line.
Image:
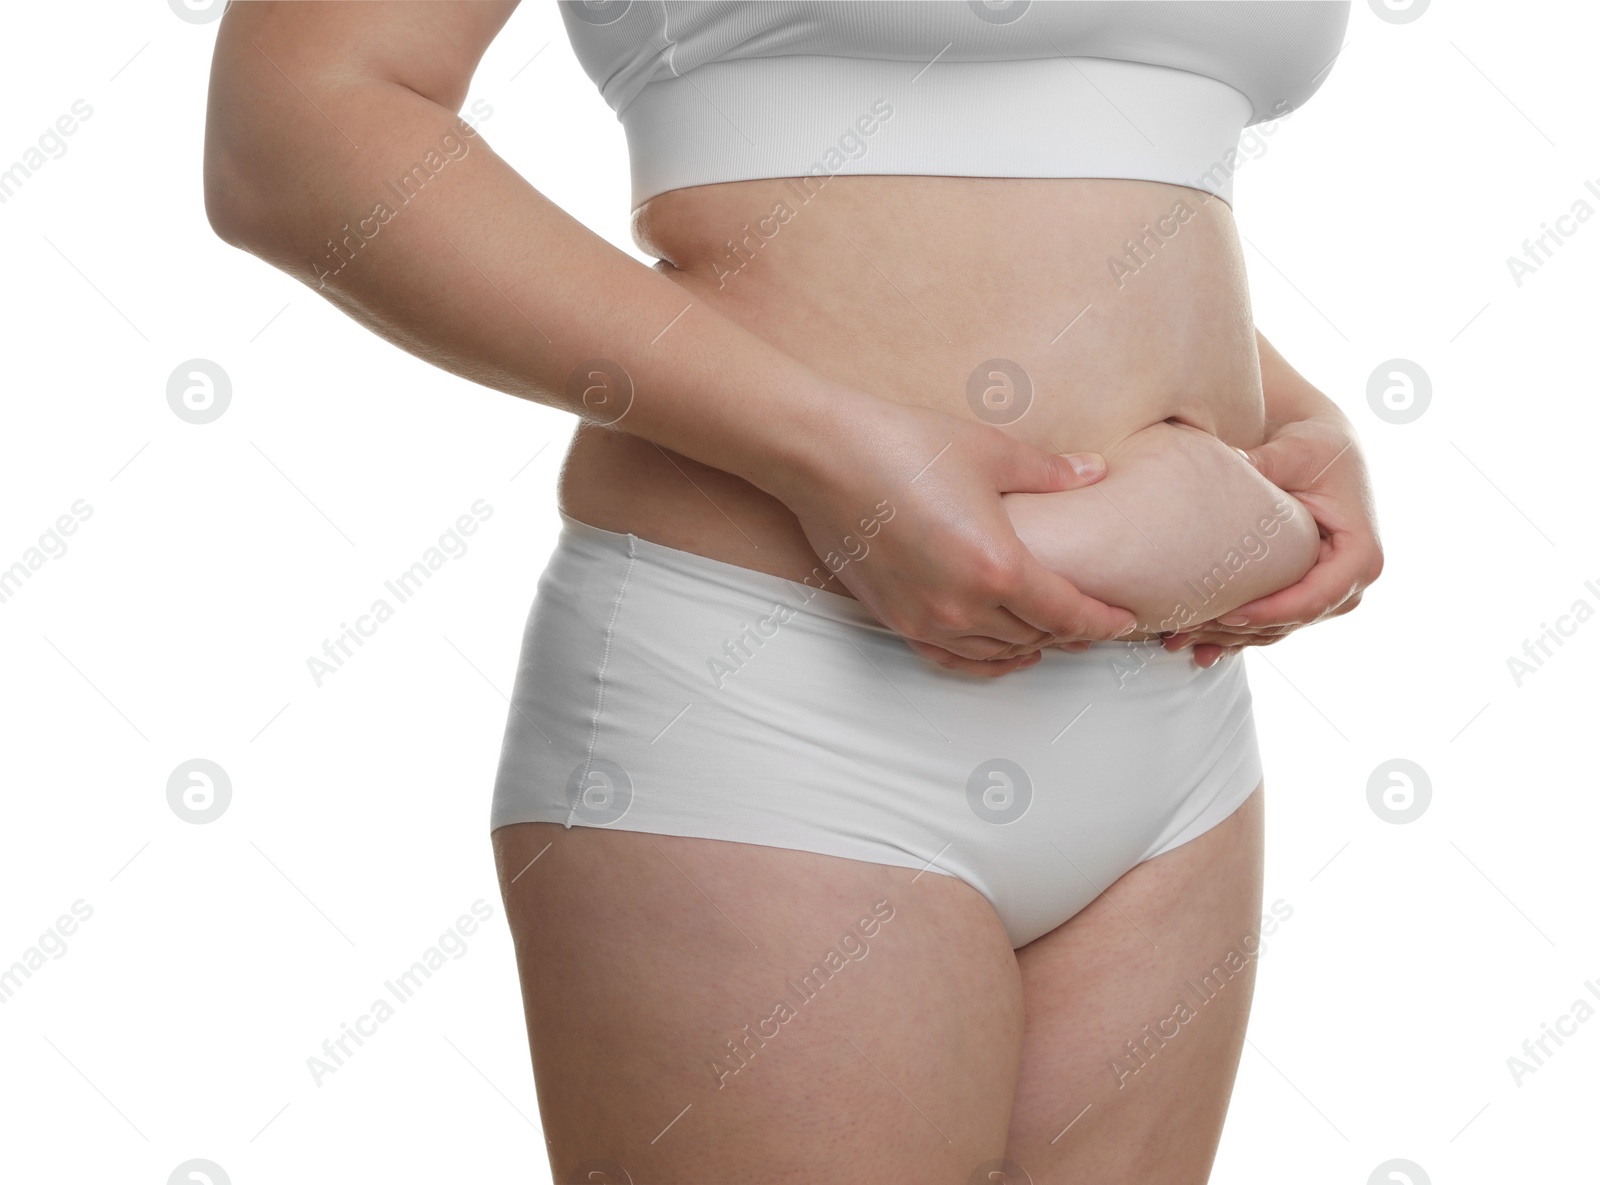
217,558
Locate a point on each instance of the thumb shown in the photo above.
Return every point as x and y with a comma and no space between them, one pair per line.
1029,470
1285,461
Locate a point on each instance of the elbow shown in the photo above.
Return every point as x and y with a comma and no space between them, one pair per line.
253,201
231,208
246,211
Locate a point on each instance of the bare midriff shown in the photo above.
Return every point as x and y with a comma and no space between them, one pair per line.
1121,304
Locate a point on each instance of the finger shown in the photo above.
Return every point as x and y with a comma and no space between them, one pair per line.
1345,606
1086,469
996,634
993,633
1288,462
1230,637
1210,656
978,647
989,668
1025,469
1072,647
1333,580
1212,631
1051,602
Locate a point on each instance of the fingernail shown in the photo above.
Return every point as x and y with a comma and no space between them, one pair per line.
1234,619
1086,464
1127,629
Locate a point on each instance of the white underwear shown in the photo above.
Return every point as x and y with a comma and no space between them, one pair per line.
666,692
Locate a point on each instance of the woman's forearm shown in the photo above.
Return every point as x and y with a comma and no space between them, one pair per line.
380,199
333,152
1289,395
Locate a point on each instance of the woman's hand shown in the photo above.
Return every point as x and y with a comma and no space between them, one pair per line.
903,505
1319,462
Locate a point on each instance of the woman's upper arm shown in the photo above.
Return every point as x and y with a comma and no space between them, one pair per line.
275,60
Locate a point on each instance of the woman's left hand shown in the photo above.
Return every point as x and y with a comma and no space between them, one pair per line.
1319,462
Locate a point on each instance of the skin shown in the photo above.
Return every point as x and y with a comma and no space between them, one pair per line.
991,1057
770,411
1310,450
1239,537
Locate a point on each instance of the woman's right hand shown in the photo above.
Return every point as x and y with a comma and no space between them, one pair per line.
903,505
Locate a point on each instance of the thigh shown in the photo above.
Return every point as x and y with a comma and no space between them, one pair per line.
707,1011
1135,1017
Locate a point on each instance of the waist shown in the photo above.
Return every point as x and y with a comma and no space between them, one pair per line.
1069,313
1095,306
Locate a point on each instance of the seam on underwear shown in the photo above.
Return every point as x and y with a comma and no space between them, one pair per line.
1240,757
600,678
671,45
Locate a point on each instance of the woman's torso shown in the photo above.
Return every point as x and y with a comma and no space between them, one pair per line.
1122,302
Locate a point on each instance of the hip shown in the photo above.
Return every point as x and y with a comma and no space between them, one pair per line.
649,658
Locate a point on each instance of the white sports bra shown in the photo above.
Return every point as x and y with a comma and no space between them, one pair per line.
1158,90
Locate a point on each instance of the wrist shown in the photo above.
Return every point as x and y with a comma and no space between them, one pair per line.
1327,414
1288,397
796,437
1296,401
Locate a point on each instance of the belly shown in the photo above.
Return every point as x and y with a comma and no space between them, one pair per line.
1068,313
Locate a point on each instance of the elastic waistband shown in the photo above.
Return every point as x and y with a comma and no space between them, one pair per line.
579,536
801,597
